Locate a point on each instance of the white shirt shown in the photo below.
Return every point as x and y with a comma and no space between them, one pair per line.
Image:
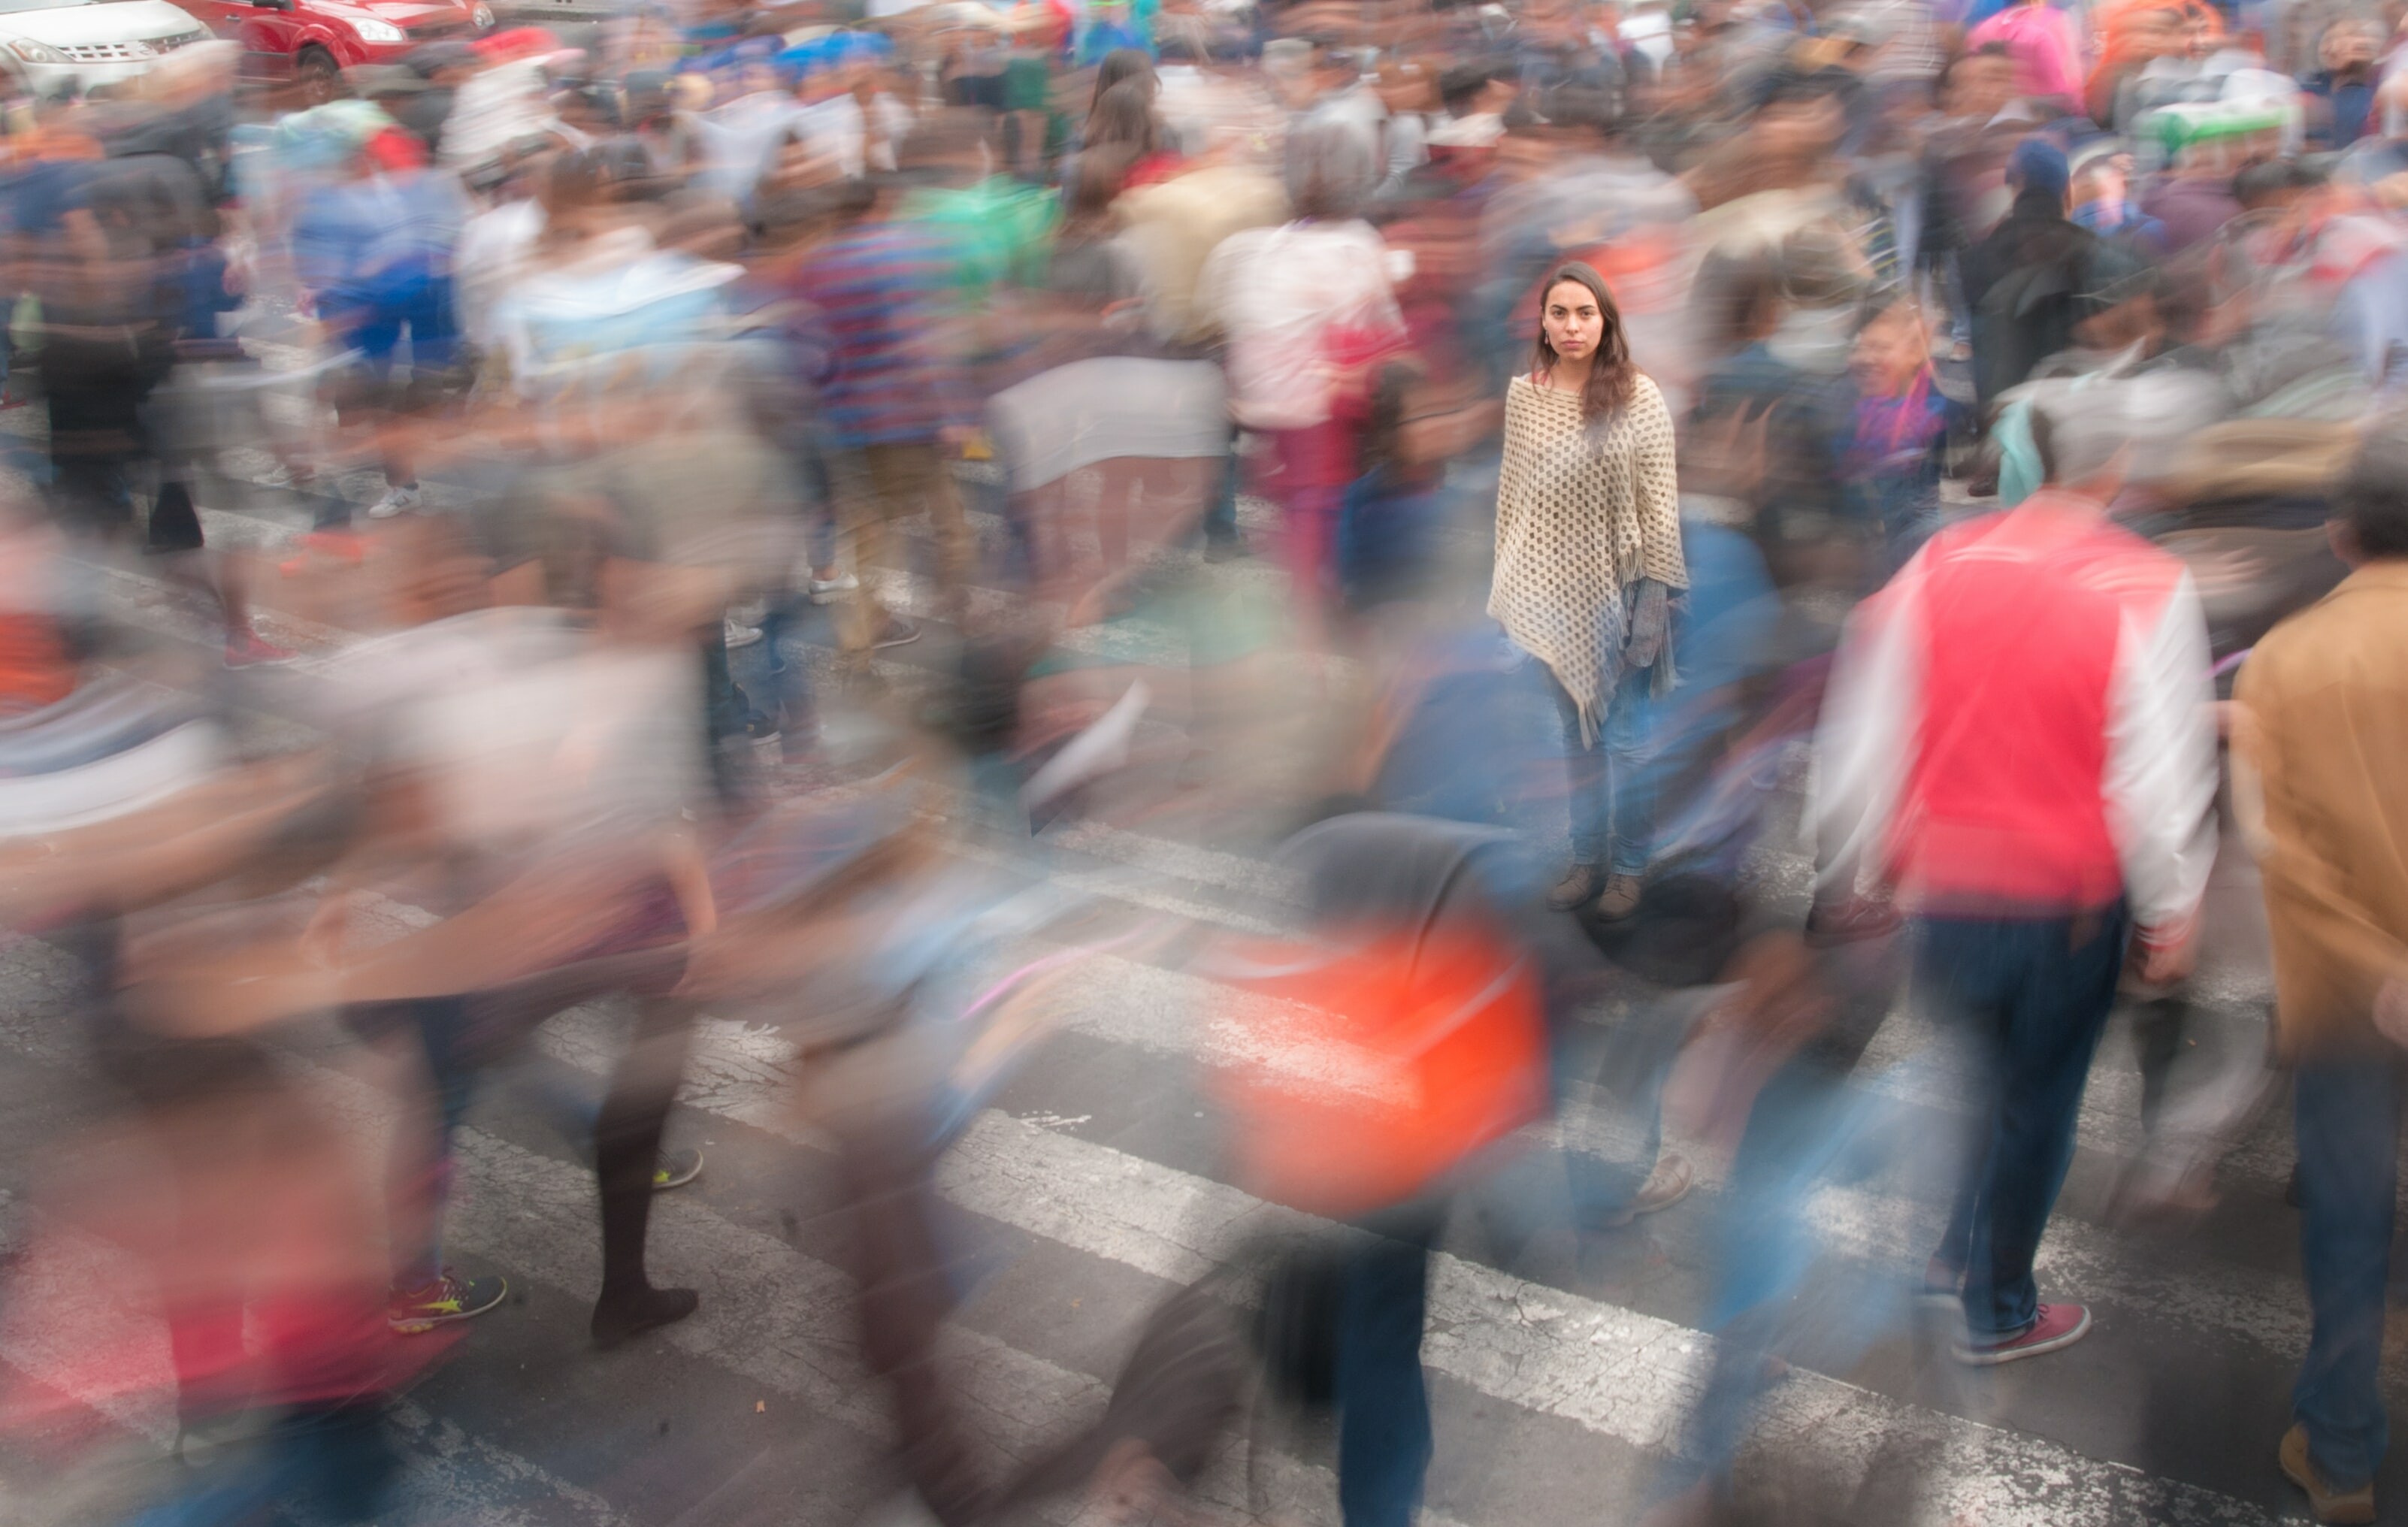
1276,293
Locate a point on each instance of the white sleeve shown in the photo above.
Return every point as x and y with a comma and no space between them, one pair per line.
2160,785
1863,741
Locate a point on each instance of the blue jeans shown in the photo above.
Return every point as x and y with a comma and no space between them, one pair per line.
2030,996
1607,803
336,1456
1384,1423
2348,1123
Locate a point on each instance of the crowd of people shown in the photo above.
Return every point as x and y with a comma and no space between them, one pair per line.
1677,538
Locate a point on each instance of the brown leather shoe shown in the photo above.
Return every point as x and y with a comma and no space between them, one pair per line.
1619,897
1578,888
2325,1502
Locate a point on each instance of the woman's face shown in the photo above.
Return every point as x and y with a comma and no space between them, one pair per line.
1574,325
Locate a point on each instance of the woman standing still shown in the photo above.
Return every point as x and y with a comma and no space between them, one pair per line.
1588,555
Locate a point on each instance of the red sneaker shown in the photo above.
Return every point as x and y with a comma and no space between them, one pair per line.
2059,1325
243,647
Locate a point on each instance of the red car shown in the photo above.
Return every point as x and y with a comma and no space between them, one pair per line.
311,41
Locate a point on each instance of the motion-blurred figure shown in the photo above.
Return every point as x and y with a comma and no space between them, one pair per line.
2018,742
2323,723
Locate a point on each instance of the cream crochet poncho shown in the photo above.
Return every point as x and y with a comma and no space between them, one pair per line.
1582,515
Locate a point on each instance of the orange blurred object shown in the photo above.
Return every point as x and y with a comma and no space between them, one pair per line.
1402,1057
35,667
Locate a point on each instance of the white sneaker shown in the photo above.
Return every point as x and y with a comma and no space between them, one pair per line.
395,501
825,590
741,635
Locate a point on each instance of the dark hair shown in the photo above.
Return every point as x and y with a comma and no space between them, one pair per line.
1579,108
2260,184
1612,379
577,178
1102,170
1125,114
1385,420
1122,64
1461,85
1788,85
2373,499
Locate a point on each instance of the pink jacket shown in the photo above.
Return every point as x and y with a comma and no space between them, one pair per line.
2041,40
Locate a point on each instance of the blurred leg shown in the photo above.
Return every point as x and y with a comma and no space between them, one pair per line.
1638,1058
420,1179
2053,1024
627,1149
931,471
1384,1424
906,1293
863,514
1632,740
1961,969
1586,801
1220,515
2348,1127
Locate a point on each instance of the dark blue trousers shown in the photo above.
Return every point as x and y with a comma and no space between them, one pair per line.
2347,1117
1383,1421
2030,996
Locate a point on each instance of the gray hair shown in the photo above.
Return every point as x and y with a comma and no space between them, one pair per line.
2078,431
2079,428
1330,170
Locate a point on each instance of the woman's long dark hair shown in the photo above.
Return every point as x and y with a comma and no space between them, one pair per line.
1125,114
1611,379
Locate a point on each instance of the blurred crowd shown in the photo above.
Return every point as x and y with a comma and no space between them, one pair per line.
1679,540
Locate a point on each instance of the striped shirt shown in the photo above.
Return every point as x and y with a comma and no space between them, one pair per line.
880,289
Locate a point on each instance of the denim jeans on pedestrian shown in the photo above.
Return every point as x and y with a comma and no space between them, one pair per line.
1384,1423
1606,815
443,1029
2347,1117
2028,997
335,1457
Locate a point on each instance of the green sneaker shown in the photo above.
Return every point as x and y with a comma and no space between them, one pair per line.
450,1297
676,1169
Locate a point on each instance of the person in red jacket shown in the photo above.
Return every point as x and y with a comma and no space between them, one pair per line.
2019,744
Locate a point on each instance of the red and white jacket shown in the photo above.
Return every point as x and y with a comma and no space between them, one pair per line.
2022,724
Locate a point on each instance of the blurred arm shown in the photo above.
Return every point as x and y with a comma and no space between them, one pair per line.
2160,784
1863,744
2302,854
1656,483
